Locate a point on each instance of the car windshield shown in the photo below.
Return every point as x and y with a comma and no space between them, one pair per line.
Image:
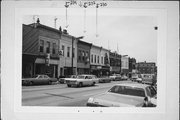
80,76
151,91
126,90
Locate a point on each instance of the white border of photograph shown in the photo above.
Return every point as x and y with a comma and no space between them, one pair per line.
12,48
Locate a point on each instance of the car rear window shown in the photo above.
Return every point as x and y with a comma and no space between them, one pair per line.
81,76
126,90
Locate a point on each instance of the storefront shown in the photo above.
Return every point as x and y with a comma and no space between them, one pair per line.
100,70
51,69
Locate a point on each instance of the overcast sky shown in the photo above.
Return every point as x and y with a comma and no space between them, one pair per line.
134,36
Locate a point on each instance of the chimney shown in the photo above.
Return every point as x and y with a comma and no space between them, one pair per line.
60,29
37,23
65,31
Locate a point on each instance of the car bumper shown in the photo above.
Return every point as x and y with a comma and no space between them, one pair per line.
94,105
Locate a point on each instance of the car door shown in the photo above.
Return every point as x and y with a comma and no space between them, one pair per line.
39,79
46,79
88,81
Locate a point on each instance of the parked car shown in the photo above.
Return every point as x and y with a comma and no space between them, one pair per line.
104,79
136,78
82,80
115,77
124,77
38,79
148,79
125,95
63,78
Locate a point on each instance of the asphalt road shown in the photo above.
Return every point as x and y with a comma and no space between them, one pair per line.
61,95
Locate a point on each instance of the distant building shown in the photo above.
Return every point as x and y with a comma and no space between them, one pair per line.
115,62
40,50
146,67
83,57
99,61
125,65
132,66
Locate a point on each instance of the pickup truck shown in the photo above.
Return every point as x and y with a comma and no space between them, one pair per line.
82,80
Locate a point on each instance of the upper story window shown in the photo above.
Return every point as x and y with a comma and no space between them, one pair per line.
98,59
41,49
73,54
68,51
54,48
79,55
95,59
83,55
62,49
48,47
92,58
102,59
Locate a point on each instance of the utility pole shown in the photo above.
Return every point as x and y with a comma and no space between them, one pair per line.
60,30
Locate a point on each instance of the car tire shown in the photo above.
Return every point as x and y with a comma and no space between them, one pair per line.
50,82
30,83
68,85
93,83
80,84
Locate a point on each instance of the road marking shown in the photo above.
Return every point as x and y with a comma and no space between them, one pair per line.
91,94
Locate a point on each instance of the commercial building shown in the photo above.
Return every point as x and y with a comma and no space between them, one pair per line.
115,62
132,66
125,65
99,61
146,67
68,57
40,50
83,57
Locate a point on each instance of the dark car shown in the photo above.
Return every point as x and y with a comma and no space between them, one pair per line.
38,80
104,79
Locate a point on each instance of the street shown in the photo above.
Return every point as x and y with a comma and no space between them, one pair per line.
61,95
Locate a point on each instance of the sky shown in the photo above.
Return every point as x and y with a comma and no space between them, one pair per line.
134,36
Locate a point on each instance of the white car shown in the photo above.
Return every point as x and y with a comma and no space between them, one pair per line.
115,77
124,77
125,95
82,80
